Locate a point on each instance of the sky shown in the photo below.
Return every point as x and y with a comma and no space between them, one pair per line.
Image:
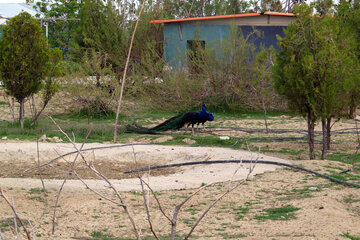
12,1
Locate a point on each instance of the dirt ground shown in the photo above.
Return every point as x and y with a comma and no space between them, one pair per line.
328,211
322,210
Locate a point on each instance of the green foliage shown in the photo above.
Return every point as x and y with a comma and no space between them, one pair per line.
55,67
198,8
24,56
316,69
315,66
349,20
101,29
60,31
96,109
232,236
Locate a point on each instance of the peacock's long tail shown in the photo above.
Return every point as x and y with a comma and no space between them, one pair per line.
173,123
177,122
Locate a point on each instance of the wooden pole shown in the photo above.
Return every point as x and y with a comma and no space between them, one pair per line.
125,70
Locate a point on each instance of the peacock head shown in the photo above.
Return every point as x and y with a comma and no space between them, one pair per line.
211,117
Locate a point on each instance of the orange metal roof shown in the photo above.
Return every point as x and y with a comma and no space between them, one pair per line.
223,16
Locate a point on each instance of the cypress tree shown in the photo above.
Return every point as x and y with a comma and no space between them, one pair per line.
23,59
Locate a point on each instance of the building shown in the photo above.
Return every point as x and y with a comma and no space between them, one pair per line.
181,34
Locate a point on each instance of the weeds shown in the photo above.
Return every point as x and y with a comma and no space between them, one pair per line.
232,236
347,235
282,214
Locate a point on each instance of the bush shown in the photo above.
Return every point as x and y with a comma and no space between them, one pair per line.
223,75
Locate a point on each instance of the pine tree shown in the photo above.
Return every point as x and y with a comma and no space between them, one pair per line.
23,59
314,70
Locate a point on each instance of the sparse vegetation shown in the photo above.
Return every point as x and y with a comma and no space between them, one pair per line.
235,84
347,235
282,213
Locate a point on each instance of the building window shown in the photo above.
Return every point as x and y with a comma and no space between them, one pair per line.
195,55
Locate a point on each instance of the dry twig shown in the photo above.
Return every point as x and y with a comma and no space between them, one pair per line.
218,199
15,221
102,176
15,213
177,209
1,236
89,188
146,200
68,173
38,160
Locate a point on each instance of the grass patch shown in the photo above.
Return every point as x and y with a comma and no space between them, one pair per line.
282,214
293,152
189,222
351,200
36,191
37,198
344,158
232,236
347,235
293,197
102,236
346,177
240,212
103,129
192,211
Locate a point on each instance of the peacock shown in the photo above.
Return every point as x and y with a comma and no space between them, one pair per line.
176,122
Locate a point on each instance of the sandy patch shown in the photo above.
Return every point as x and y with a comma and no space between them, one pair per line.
23,156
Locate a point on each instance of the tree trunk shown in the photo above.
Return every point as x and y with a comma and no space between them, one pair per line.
328,127
265,113
325,138
21,113
39,113
352,108
311,127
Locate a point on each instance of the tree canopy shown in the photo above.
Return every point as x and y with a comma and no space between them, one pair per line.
24,56
315,67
